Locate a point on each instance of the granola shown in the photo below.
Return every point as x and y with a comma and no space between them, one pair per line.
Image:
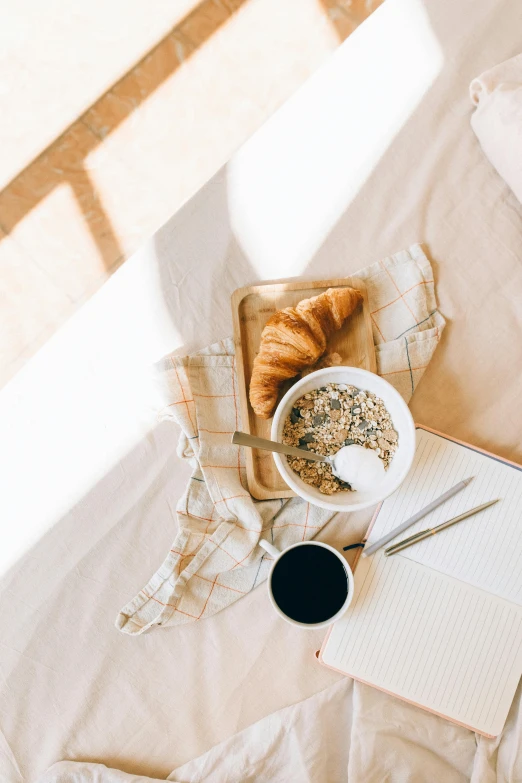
331,417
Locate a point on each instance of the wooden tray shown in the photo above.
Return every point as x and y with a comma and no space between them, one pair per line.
251,309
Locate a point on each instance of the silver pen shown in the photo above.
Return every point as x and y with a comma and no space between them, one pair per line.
392,550
415,518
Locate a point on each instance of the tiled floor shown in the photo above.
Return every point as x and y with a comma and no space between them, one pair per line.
145,143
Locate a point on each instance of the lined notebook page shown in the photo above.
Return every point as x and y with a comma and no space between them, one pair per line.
431,639
484,550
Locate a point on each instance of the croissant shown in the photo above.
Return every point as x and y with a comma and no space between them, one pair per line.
295,338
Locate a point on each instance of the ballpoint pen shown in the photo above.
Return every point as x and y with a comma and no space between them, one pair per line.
415,518
392,550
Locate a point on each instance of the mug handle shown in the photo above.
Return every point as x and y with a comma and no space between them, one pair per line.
270,548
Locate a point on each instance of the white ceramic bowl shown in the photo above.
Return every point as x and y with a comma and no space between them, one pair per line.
402,422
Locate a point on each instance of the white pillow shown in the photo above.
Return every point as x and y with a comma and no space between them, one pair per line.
497,120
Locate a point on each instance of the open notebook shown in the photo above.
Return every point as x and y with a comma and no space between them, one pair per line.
440,623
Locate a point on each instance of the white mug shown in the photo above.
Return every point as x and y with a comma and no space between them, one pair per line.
276,554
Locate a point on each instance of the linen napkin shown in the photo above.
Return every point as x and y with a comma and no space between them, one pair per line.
215,558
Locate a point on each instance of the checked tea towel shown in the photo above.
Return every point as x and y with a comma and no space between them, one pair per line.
215,558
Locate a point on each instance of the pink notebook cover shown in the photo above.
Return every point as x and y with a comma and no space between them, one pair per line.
319,653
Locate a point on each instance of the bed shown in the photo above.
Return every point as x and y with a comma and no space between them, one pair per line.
373,154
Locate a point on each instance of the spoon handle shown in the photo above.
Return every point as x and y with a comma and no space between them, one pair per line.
242,439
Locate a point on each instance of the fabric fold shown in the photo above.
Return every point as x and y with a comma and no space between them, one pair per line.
497,119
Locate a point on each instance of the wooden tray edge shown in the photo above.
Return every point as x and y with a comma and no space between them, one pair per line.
257,490
361,286
236,298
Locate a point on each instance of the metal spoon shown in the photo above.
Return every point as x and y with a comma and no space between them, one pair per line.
242,439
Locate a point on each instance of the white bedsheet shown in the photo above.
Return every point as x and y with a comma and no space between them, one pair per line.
347,732
497,120
350,732
373,154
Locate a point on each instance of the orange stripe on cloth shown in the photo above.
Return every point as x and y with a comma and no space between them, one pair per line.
173,606
212,396
228,553
413,369
398,290
422,282
237,419
377,327
176,551
232,498
306,521
226,467
245,557
217,432
204,519
208,597
184,398
218,584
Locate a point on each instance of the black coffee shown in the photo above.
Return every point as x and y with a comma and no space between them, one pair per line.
309,584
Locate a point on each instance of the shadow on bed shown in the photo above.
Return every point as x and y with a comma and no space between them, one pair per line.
263,216
90,563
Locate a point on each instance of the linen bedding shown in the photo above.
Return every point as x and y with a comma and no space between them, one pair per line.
373,154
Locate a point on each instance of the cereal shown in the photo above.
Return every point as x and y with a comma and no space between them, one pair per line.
333,416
